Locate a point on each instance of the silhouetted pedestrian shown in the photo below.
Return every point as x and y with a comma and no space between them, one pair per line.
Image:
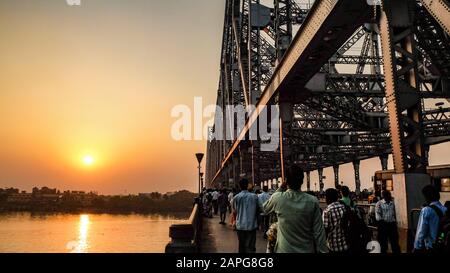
263,198
246,205
300,226
223,206
333,221
215,201
429,220
387,225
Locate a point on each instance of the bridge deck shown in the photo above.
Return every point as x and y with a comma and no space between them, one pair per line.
217,238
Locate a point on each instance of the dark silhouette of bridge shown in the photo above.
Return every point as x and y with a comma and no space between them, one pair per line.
351,79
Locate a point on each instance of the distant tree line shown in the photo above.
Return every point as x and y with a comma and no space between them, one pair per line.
178,202
49,200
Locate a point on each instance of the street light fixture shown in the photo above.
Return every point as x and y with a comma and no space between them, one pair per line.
199,157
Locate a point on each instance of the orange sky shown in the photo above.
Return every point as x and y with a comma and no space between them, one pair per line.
101,79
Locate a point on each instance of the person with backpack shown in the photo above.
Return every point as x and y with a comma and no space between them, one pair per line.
387,224
355,228
430,226
334,222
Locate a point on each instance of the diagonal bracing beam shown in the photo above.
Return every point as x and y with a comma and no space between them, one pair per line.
328,25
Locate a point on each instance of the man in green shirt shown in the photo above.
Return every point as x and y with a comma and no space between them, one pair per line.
300,226
345,191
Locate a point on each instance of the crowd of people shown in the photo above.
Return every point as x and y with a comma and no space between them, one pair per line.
293,222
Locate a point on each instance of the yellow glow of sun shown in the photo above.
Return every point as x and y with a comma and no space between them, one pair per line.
88,160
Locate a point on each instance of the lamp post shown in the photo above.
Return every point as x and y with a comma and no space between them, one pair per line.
199,157
201,181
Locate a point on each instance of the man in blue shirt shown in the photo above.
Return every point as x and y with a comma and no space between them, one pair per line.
246,206
429,219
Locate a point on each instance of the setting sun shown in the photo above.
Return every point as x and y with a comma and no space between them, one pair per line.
88,160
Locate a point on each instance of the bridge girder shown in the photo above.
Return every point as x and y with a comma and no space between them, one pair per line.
329,104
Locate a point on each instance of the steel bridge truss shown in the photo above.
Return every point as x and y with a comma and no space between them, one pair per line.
355,82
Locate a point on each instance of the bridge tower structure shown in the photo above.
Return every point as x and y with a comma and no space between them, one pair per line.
344,81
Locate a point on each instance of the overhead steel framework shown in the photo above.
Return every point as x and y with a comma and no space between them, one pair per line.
351,81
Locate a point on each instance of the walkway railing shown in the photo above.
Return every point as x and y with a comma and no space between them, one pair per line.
185,237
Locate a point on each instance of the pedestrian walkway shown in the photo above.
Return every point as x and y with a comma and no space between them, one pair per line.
217,238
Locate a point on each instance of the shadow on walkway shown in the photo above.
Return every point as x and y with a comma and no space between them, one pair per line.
217,238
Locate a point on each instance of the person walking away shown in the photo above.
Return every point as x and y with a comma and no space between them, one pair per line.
387,225
246,205
263,198
356,230
223,206
300,226
333,222
215,200
233,210
230,198
204,202
429,229
371,219
209,209
345,192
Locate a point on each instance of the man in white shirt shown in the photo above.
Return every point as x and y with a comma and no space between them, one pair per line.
215,201
230,199
387,224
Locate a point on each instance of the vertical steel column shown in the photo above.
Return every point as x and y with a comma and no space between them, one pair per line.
400,57
283,26
282,151
254,52
308,181
286,117
283,32
235,162
255,166
356,165
241,168
208,160
321,184
402,94
336,176
384,162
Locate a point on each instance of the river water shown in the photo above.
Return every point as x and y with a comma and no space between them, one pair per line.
84,233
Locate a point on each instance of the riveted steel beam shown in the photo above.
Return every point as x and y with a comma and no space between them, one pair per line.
403,100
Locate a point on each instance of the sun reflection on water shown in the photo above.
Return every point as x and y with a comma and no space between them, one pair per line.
83,230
